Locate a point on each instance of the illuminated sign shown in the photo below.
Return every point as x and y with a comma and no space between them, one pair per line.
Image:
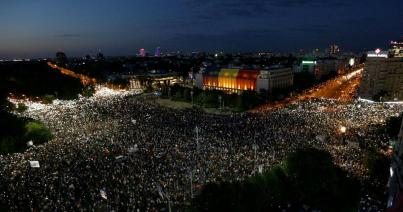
308,62
378,53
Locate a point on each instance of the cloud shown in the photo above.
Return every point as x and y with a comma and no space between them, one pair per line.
213,10
210,10
316,29
243,39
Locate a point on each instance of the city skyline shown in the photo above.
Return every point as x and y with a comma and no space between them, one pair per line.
41,28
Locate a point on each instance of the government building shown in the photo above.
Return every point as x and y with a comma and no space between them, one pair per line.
235,80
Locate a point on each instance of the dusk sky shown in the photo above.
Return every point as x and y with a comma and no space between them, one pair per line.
120,27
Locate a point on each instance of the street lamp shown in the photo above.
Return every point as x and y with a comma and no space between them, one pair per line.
343,129
191,96
255,147
197,138
219,100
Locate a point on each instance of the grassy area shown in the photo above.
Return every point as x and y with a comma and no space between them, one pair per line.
173,104
179,105
16,131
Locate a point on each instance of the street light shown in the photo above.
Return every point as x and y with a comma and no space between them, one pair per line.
343,129
255,147
219,100
197,138
191,96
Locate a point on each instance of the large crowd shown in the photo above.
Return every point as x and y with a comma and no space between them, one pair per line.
120,153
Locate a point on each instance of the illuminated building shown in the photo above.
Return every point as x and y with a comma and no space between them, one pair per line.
396,48
151,80
334,49
235,80
157,52
318,67
142,52
395,183
382,77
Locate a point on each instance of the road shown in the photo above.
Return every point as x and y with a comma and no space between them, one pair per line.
85,80
342,88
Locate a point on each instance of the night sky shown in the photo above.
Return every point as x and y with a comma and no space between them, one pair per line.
120,27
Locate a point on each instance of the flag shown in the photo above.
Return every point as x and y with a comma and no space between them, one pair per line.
161,192
102,192
260,169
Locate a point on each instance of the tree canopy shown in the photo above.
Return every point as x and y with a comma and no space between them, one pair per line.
306,177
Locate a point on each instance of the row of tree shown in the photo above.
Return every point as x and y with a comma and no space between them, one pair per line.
214,98
16,133
307,178
38,81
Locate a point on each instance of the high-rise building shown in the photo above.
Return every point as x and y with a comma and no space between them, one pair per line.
142,52
157,52
395,183
382,77
61,58
334,49
396,48
318,67
100,56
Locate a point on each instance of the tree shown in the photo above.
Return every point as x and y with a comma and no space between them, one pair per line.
21,107
303,80
377,165
392,126
380,96
48,99
249,99
37,132
306,177
318,182
88,91
11,130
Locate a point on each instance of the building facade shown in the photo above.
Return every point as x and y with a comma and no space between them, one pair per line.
382,77
236,80
396,48
319,67
395,184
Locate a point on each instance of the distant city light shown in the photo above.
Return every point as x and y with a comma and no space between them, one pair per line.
142,52
157,52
